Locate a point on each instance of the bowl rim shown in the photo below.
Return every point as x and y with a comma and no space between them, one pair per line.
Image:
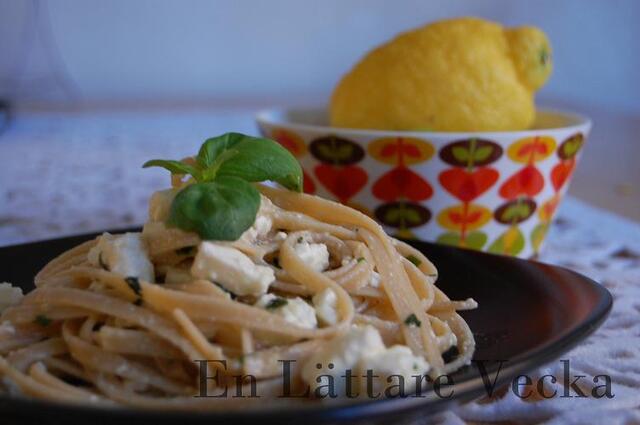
275,117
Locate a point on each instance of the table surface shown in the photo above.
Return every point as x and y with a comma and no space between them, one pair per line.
67,173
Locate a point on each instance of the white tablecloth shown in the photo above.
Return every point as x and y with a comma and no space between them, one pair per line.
66,173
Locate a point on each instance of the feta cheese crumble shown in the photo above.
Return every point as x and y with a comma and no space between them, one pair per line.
375,279
232,269
263,223
259,230
342,353
325,303
447,341
359,350
395,360
7,328
293,310
315,255
122,254
9,295
347,261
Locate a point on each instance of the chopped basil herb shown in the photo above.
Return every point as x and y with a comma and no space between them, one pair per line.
134,284
412,320
300,239
361,259
42,320
102,263
231,294
276,303
186,250
415,366
415,260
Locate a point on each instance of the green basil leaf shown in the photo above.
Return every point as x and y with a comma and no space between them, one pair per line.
176,167
255,159
209,174
220,210
213,147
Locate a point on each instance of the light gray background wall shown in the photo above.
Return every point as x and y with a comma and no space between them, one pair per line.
286,51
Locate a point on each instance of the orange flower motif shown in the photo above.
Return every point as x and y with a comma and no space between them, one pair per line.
343,182
468,185
400,183
530,150
526,182
290,141
464,217
401,150
308,186
548,209
561,173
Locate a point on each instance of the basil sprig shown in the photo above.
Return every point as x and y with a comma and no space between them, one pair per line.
222,204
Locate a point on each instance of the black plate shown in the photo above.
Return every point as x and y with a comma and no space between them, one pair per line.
530,314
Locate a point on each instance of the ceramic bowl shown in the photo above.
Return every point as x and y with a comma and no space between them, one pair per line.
490,191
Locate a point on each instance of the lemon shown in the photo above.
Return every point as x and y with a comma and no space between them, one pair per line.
464,74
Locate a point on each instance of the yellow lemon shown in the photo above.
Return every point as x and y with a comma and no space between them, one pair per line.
464,74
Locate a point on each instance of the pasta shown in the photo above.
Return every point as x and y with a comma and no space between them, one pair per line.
129,319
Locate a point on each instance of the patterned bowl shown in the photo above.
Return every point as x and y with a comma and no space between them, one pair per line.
491,191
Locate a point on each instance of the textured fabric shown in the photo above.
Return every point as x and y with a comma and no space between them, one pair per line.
68,173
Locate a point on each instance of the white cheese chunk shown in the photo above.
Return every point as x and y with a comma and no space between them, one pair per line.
447,341
9,295
7,329
293,310
122,254
262,225
160,204
347,261
260,229
395,360
325,303
375,279
232,269
359,350
315,255
339,355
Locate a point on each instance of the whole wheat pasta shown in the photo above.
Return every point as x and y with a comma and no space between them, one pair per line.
140,342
